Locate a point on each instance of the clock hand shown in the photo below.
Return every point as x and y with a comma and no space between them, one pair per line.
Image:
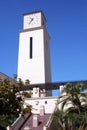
31,20
30,17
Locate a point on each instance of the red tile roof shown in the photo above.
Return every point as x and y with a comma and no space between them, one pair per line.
42,122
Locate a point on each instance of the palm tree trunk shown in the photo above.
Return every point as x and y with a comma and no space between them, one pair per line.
81,127
59,121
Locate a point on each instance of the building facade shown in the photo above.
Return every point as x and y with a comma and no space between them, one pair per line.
34,49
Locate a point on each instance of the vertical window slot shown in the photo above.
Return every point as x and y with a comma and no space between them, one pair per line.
31,47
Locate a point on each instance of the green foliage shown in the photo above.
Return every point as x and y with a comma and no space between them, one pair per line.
74,117
11,103
27,95
27,109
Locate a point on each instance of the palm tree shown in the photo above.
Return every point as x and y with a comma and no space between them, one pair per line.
76,97
74,107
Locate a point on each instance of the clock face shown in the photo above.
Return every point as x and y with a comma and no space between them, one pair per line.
32,19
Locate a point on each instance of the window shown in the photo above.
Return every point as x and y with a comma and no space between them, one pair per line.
45,102
31,47
37,102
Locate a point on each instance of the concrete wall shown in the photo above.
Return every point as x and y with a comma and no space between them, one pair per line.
33,69
49,104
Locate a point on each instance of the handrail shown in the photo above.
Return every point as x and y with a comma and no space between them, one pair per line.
55,109
50,119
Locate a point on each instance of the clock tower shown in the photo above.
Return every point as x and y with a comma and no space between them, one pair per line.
34,50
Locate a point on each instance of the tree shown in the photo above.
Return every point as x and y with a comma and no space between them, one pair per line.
74,107
11,103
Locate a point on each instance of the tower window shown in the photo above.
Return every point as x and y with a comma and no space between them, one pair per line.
31,47
45,102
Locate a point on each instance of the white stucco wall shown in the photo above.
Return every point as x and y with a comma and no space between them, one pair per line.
37,69
47,56
32,69
48,102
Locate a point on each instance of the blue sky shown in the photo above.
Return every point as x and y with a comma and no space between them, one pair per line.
67,26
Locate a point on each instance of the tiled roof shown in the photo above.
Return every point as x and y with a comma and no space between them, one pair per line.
4,76
19,122
42,122
27,120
